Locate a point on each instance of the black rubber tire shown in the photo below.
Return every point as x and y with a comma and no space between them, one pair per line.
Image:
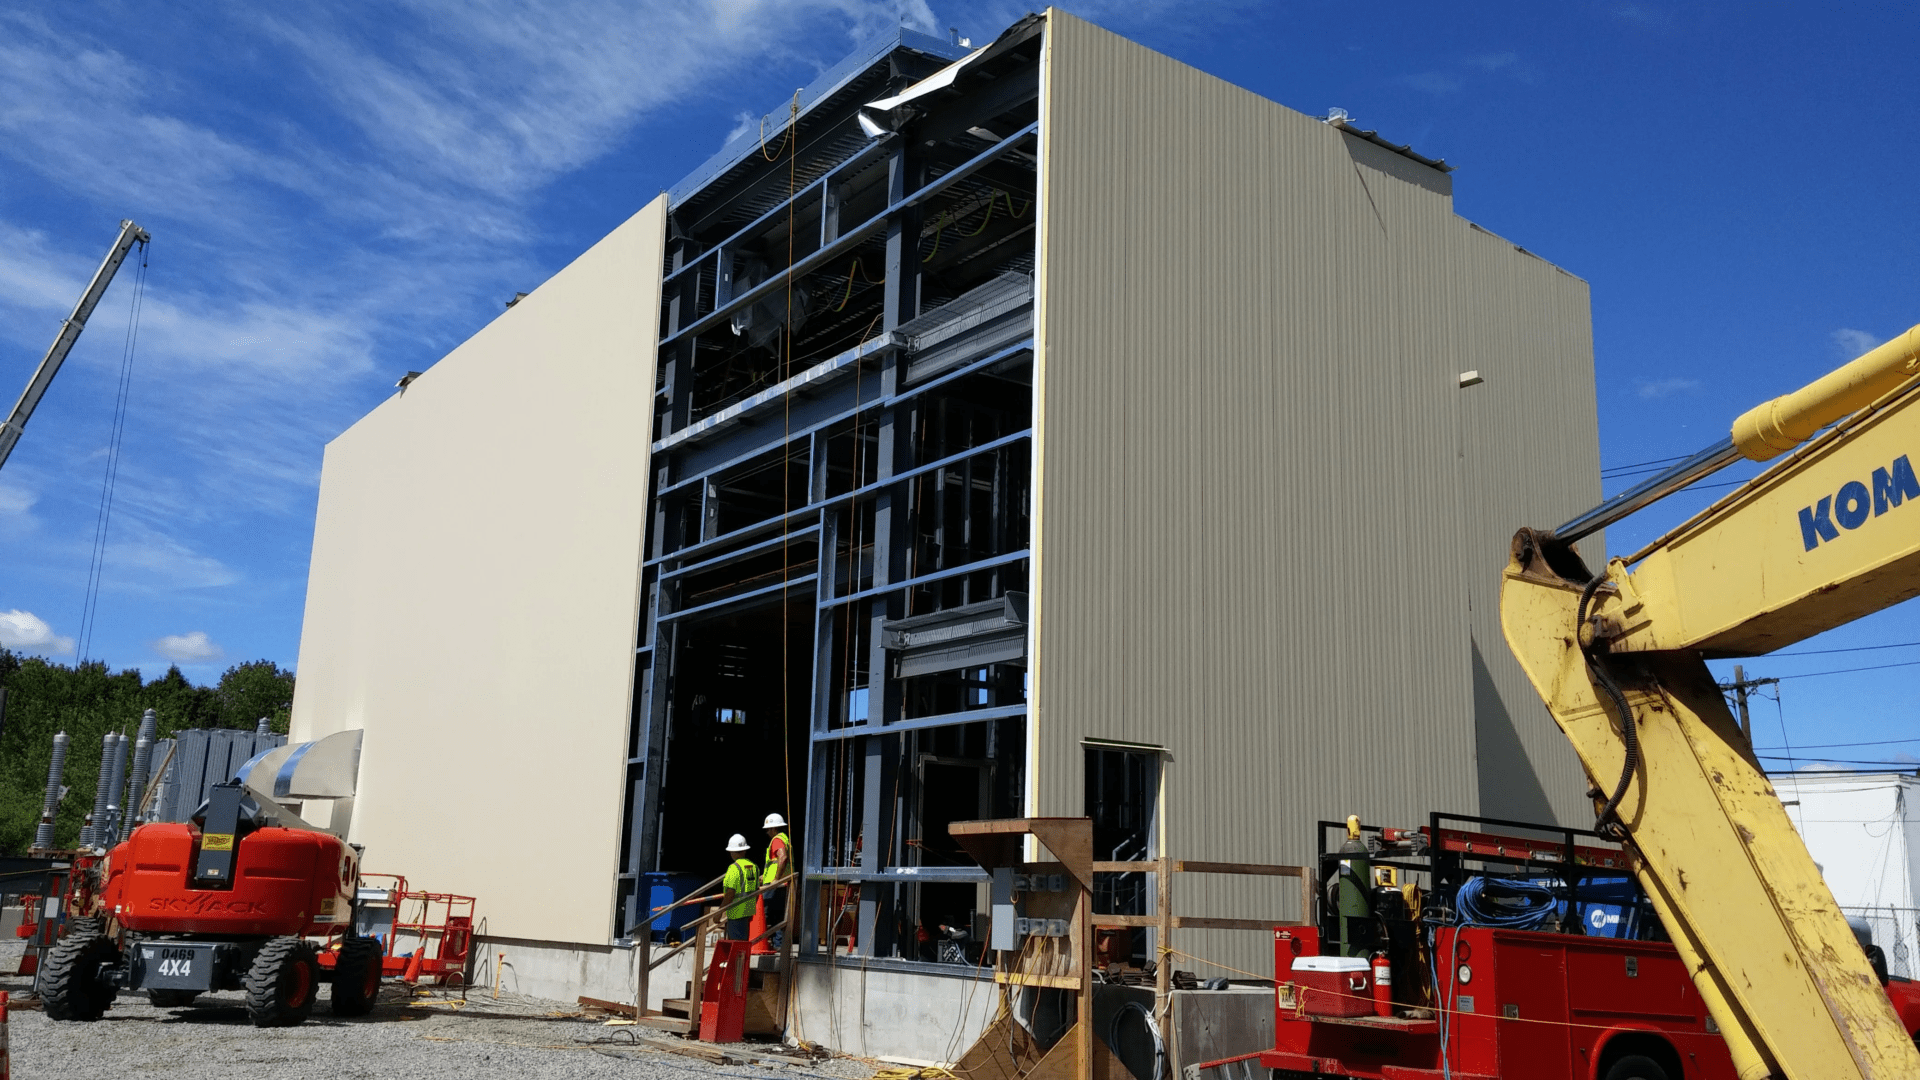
1637,1067
356,977
91,926
282,983
70,984
171,999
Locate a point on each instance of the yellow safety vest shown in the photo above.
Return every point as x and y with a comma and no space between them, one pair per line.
742,877
785,845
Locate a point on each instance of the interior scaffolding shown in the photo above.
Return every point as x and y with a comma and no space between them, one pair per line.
834,625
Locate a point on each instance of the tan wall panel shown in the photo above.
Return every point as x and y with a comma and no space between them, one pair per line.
473,600
1268,520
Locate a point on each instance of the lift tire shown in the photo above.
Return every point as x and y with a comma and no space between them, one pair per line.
282,982
1637,1067
70,983
356,977
171,999
91,926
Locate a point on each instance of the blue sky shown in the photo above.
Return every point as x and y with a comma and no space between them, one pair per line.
339,194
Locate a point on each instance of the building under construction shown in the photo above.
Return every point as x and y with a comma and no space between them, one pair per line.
1042,429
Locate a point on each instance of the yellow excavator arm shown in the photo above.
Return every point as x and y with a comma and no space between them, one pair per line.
1830,534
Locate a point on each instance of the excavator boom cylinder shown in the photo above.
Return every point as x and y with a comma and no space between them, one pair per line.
1774,427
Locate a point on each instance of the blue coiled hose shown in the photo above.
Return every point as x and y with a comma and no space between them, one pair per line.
1506,903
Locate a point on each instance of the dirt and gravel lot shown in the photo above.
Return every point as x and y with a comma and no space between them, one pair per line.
406,1037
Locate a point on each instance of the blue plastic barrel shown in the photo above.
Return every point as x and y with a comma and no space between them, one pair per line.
663,887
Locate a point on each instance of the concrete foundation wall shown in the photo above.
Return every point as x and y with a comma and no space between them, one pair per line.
905,1016
562,971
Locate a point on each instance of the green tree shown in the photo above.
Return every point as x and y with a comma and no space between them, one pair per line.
88,701
250,691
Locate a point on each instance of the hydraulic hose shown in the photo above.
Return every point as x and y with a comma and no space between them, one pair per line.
1608,822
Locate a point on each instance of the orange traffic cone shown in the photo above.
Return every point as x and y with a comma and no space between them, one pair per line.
413,965
757,929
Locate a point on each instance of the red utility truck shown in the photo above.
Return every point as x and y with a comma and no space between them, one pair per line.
1510,951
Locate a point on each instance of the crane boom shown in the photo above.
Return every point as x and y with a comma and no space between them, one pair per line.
16,421
1619,660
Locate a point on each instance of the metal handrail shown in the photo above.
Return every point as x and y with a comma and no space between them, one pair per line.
713,916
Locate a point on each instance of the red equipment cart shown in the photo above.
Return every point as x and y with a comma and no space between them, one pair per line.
424,936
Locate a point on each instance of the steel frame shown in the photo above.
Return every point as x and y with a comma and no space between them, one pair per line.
684,541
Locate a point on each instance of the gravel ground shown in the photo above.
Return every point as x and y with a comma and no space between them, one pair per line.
407,1037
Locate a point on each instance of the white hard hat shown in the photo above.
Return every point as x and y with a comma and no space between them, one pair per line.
774,821
738,843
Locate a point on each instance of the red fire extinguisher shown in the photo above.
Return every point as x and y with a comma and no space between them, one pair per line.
1382,985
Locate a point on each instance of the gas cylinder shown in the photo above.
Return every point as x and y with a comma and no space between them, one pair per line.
1382,985
1352,902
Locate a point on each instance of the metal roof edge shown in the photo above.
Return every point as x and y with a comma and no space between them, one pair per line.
819,90
1374,137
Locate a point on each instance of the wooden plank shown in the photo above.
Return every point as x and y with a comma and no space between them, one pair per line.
692,1048
1203,922
1071,841
1062,1061
1163,968
1050,982
1145,866
1188,866
1126,920
993,827
1083,954
621,1007
796,891
645,945
1004,1051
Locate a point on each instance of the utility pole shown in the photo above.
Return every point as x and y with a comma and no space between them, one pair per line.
1740,695
1739,686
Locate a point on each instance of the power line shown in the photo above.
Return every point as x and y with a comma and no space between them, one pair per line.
1842,745
1843,671
97,563
1843,761
1856,648
1644,464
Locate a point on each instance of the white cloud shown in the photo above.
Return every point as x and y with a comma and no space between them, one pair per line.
30,633
15,499
1655,389
313,242
1851,343
193,647
498,97
153,562
743,122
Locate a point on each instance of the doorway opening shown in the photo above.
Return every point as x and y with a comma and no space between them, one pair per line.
1122,798
737,744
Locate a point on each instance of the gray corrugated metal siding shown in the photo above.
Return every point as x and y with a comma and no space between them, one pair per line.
1269,523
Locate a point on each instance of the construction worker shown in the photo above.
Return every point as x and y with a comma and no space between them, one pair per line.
742,880
779,862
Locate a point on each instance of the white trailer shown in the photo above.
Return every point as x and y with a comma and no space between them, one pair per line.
1864,831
